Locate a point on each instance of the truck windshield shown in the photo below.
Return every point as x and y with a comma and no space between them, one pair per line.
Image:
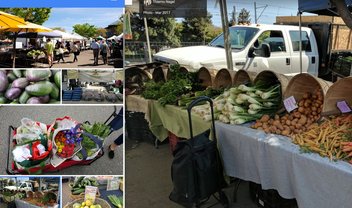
239,37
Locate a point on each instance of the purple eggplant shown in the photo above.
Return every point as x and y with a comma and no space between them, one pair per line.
4,82
20,83
44,99
34,100
13,93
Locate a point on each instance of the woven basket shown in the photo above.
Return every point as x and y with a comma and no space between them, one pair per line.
302,83
206,77
81,195
158,74
223,78
271,78
183,70
339,91
241,77
101,202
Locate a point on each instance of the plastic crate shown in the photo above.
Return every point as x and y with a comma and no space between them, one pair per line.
138,128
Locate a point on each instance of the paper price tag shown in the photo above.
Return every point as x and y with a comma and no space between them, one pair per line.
343,107
290,104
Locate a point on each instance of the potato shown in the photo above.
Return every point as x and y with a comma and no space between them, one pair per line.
297,114
301,103
306,95
265,118
301,110
302,120
288,122
277,117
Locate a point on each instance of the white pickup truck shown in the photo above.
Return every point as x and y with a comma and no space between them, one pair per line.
24,186
250,51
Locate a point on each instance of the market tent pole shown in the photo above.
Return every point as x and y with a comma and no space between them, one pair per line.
300,42
147,38
225,28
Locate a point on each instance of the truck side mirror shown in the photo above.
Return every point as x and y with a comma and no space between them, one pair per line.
262,51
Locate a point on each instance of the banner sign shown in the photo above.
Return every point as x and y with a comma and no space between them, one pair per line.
173,8
61,3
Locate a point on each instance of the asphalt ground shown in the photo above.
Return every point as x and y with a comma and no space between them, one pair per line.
12,115
85,60
148,179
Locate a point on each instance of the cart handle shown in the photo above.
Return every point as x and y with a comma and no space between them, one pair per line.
194,103
8,169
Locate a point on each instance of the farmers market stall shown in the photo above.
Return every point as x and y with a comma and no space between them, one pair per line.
93,85
292,134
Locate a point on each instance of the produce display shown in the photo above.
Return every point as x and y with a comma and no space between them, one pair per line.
40,199
116,201
330,138
80,183
186,99
31,86
86,204
242,104
170,91
35,53
297,121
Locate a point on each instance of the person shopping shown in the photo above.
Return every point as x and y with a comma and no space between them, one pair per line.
60,55
49,47
104,48
75,51
117,142
95,47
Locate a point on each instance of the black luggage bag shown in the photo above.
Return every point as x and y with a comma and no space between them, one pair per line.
196,170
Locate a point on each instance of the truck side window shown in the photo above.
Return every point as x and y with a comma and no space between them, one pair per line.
274,38
305,41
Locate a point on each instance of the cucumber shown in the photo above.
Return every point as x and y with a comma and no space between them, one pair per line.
3,100
53,101
15,102
34,75
55,93
57,79
20,83
40,88
11,76
78,191
24,97
17,72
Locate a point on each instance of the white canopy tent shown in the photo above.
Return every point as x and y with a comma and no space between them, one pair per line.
96,75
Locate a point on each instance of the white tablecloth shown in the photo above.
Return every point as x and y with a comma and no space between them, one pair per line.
276,163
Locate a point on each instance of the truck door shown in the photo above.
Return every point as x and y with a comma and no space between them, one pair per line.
310,56
279,60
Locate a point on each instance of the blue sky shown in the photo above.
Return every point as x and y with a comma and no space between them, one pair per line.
67,17
275,8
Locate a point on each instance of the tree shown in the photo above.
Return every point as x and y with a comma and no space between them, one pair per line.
197,29
59,28
101,32
243,17
34,15
161,29
119,27
86,30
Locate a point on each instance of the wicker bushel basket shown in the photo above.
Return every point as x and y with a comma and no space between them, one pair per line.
241,77
206,77
158,74
183,69
223,78
271,78
339,91
302,83
101,202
